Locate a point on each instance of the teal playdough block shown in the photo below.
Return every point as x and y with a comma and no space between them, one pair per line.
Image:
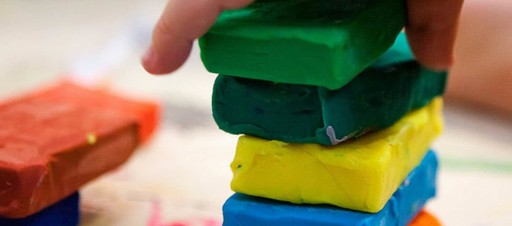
323,51
375,99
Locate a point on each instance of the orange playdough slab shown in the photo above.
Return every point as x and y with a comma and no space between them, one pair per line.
425,219
55,140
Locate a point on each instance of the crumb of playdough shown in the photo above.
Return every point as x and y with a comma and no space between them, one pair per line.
91,138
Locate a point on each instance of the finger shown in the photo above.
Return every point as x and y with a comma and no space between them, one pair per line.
431,30
181,23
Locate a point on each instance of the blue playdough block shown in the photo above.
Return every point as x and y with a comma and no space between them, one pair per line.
63,213
407,201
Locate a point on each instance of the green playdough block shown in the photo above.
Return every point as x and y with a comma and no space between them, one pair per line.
309,9
375,99
323,51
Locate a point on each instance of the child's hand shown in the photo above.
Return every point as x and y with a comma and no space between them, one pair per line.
431,30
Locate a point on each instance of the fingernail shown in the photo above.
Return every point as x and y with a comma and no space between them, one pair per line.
439,66
443,65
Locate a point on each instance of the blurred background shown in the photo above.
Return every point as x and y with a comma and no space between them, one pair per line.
182,176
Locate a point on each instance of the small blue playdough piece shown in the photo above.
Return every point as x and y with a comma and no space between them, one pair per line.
406,203
63,213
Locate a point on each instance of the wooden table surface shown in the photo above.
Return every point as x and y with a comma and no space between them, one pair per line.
181,177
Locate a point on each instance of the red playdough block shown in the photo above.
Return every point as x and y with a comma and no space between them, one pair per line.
55,140
425,219
147,113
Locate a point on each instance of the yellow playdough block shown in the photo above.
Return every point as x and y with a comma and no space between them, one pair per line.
361,174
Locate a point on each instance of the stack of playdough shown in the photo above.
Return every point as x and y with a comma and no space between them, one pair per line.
55,140
337,115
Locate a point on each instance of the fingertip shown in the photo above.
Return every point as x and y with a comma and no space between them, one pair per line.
153,64
148,60
433,50
159,64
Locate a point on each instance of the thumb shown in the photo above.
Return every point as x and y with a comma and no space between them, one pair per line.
431,30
